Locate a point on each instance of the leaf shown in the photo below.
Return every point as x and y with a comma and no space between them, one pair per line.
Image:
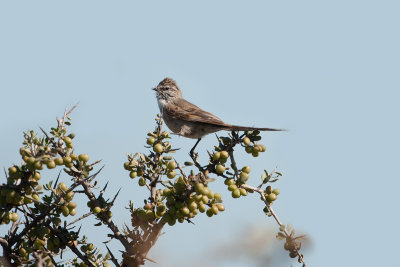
75,169
67,123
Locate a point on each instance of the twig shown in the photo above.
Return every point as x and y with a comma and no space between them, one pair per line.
80,218
270,210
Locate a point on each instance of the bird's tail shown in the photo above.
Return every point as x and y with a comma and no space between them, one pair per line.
246,128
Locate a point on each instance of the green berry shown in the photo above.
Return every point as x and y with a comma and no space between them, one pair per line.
72,212
214,209
158,148
276,191
243,192
229,181
224,154
67,139
171,165
236,193
232,187
132,174
58,161
51,164
220,207
142,181
192,206
38,165
205,199
249,149
126,165
185,211
199,187
150,140
12,170
14,217
210,212
271,197
63,186
84,157
37,176
246,169
96,210
167,192
202,208
244,177
216,156
30,160
65,211
171,174
67,160
71,205
69,145
220,169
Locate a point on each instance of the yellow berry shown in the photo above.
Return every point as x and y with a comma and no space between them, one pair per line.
246,141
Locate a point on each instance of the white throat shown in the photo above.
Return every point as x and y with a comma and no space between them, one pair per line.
161,104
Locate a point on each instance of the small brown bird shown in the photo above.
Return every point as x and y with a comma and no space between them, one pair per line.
188,120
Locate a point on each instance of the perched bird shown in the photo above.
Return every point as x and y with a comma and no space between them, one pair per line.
188,120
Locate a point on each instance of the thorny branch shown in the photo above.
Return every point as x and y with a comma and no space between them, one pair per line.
234,140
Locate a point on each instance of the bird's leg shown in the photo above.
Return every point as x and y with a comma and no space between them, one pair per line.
192,150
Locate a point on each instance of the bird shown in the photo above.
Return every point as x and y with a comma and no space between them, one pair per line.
188,120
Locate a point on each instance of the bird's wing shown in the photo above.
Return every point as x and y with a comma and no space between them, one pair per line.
184,110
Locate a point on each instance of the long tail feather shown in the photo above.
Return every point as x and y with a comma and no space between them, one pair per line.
246,128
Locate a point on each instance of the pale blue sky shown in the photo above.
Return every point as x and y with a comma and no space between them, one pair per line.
326,70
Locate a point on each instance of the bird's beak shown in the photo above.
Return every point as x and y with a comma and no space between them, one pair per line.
155,88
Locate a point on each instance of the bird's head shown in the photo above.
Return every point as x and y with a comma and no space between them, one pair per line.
167,90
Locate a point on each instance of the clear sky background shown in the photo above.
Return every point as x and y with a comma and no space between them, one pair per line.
326,70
